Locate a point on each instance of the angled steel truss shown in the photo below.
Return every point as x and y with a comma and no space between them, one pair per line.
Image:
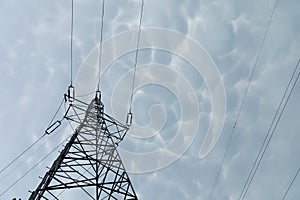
90,162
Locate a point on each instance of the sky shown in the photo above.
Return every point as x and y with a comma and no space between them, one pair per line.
195,61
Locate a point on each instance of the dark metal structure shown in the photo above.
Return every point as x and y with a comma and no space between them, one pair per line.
89,164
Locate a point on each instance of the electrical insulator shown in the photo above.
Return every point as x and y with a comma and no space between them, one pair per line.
98,95
129,119
71,93
53,127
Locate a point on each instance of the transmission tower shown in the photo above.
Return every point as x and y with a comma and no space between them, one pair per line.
89,164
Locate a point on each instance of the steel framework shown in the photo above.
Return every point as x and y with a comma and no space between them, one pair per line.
90,162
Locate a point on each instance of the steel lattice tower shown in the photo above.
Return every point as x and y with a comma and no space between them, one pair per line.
90,161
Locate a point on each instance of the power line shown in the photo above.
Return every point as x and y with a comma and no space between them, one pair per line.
290,185
70,124
136,53
100,44
21,154
27,172
13,170
256,58
56,112
71,48
30,146
243,99
285,98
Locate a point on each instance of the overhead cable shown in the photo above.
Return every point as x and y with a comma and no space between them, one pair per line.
30,146
34,166
290,185
278,114
100,44
71,48
235,124
136,53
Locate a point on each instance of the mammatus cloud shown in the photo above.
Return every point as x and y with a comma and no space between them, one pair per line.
34,34
177,44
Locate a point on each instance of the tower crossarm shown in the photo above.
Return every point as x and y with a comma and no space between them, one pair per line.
90,161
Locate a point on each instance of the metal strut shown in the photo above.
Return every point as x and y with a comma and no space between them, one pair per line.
89,164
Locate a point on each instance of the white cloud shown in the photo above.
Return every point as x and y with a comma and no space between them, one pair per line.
34,73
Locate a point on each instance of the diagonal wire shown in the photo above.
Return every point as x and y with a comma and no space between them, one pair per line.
243,99
136,54
286,96
56,112
290,185
71,82
3,179
34,166
100,44
30,146
21,154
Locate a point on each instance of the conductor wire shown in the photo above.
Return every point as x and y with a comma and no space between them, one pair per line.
243,99
100,44
71,48
136,55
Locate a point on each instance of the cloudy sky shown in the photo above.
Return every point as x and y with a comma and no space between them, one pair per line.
173,96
